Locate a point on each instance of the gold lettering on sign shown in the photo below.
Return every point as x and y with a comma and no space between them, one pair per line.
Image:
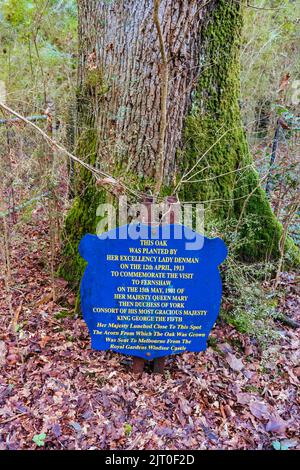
152,309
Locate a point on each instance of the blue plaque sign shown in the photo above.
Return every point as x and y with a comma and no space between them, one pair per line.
151,292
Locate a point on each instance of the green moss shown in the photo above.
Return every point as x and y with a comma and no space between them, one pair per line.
61,315
81,218
95,82
213,130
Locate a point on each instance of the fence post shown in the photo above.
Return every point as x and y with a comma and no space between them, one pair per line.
139,362
159,363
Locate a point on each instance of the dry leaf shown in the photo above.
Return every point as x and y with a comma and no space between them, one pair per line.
235,363
243,398
297,371
16,315
276,424
46,298
225,348
44,341
259,409
284,82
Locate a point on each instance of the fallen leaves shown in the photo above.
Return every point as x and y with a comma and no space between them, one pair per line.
276,424
235,363
285,444
44,341
259,409
243,398
17,315
76,398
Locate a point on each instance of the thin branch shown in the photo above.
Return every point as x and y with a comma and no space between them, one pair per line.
53,143
41,117
247,200
163,100
12,418
287,321
237,170
202,156
211,178
183,178
264,8
249,5
24,204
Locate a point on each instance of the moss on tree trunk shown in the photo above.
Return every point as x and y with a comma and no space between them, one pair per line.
81,218
225,178
212,138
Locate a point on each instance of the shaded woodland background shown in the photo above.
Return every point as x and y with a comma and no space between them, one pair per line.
243,392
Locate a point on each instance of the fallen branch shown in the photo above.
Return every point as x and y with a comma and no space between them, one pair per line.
60,148
287,321
12,418
25,204
42,117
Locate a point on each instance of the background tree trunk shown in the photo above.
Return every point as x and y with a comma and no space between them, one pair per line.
119,115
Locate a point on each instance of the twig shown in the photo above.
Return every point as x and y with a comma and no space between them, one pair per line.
263,8
12,418
198,161
24,204
247,200
41,117
249,5
184,178
38,21
62,149
163,100
292,210
273,157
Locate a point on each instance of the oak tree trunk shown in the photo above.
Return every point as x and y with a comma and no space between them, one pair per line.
120,86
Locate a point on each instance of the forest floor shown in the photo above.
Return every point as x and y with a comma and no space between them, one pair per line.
56,393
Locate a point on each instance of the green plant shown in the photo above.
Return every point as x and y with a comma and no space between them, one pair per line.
39,439
127,429
62,314
247,305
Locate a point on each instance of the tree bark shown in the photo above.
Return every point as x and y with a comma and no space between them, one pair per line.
205,152
120,57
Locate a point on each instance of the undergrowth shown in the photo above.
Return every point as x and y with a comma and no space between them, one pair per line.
249,300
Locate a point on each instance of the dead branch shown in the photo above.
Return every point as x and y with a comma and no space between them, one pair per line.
53,144
163,100
41,117
287,321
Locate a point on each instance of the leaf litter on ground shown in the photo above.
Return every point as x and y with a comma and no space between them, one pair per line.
57,393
